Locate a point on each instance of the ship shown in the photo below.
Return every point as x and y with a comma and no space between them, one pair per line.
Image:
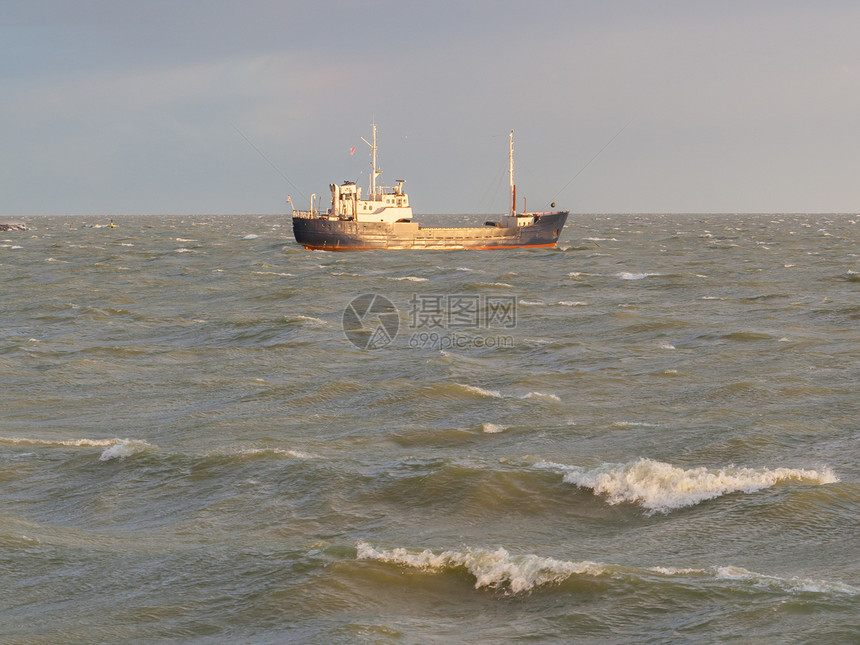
383,220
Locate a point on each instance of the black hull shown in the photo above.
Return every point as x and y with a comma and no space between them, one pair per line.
346,235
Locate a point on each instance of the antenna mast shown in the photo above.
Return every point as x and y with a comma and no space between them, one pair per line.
373,171
513,208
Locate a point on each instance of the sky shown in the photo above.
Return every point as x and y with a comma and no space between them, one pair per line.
111,107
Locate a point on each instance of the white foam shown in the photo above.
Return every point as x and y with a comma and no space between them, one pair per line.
89,443
311,320
572,303
662,487
541,395
295,454
492,569
411,278
626,275
665,345
792,585
521,574
492,428
531,303
481,391
124,448
183,250
675,571
250,237
284,275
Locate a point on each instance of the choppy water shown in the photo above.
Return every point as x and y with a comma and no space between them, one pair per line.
661,448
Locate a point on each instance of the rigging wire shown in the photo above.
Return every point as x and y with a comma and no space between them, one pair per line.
581,170
269,161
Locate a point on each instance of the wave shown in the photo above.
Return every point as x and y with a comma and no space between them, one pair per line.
515,574
411,278
626,275
124,448
113,448
498,395
661,487
254,452
309,320
493,569
492,428
480,391
86,443
541,395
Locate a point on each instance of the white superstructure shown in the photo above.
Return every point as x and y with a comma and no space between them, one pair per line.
382,204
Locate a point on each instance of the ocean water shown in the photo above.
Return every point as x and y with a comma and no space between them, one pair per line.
648,434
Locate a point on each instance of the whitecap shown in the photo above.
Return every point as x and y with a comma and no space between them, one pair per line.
513,574
662,487
480,391
492,569
572,303
124,448
183,250
541,395
87,443
295,454
250,237
792,585
665,345
411,278
310,320
627,275
531,303
492,428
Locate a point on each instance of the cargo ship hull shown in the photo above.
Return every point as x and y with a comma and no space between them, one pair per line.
335,234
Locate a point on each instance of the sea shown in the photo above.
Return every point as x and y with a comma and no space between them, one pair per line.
648,434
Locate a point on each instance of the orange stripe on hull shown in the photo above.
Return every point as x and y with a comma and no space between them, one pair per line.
462,248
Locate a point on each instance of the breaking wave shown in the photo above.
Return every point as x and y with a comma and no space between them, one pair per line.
516,574
113,448
492,569
661,487
481,391
124,448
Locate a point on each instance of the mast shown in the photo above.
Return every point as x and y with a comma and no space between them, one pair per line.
373,171
513,209
373,165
